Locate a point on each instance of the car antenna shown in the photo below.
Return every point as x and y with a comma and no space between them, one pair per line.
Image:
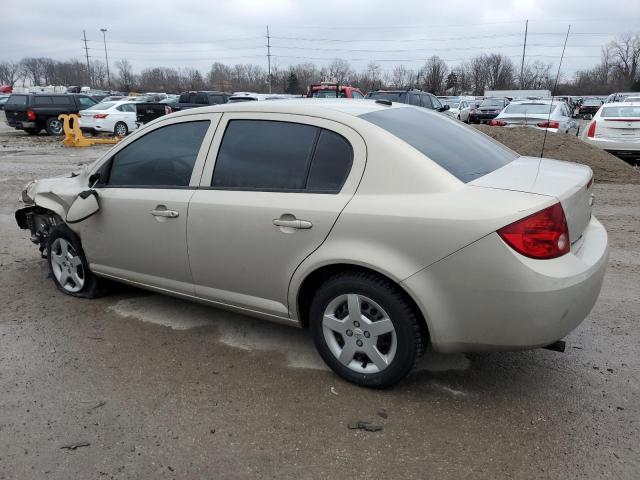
555,86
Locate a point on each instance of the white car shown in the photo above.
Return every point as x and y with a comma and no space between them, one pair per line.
554,116
383,228
118,118
616,129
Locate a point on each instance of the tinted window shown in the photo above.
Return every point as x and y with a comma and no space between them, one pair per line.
331,163
86,102
264,155
464,152
435,101
426,101
217,99
184,98
414,99
61,100
201,99
393,96
163,157
355,94
42,101
17,100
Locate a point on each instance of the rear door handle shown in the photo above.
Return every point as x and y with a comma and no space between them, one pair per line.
295,223
165,213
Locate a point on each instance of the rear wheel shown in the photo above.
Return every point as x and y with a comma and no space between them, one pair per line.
365,329
68,265
120,129
54,126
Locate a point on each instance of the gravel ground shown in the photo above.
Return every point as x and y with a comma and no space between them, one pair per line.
139,386
528,141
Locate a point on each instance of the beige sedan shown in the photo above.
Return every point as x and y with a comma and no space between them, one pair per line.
382,227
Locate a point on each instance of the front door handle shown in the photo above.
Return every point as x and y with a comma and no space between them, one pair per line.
293,223
165,213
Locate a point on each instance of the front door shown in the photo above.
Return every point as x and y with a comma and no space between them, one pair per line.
139,233
277,187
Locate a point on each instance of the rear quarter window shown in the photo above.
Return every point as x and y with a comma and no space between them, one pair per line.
463,151
39,101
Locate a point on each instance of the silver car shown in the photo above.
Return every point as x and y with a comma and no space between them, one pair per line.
384,228
541,114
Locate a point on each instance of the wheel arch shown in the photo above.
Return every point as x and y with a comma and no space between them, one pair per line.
314,278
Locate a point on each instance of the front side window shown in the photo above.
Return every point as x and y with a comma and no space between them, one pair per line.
426,101
61,100
355,94
414,99
162,158
436,103
281,156
86,102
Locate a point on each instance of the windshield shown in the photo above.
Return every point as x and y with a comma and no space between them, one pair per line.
592,102
326,93
103,106
464,152
393,96
621,112
492,102
529,108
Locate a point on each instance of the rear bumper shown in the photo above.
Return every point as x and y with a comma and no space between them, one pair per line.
625,150
21,125
487,297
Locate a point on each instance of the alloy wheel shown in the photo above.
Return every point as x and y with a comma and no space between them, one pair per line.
121,130
359,333
67,266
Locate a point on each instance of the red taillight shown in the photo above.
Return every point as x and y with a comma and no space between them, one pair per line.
592,130
497,123
101,115
551,124
31,115
543,235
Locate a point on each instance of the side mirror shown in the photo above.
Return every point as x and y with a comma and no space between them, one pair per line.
94,178
85,205
444,108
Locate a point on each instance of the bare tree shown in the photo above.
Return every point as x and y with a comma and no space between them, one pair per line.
340,71
9,73
434,73
625,52
126,78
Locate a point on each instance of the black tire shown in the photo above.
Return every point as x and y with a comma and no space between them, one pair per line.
54,126
91,287
120,129
409,336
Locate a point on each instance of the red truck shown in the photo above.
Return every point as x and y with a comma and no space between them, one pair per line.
330,90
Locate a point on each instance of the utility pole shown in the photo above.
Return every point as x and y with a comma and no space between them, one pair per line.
86,51
269,56
106,57
524,49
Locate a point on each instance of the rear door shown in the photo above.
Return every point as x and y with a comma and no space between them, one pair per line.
272,189
139,233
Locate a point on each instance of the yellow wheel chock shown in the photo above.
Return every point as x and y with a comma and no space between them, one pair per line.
73,135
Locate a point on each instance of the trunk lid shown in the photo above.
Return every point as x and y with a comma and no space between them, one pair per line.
625,129
570,183
16,108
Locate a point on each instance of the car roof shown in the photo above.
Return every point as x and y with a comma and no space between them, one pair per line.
320,107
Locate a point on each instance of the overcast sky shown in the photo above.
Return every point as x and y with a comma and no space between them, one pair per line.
196,33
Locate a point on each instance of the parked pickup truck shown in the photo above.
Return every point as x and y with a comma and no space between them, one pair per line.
35,112
200,99
146,112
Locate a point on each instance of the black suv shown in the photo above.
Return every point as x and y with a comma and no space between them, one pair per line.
34,112
200,99
412,97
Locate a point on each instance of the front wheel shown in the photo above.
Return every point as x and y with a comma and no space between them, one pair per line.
69,266
366,329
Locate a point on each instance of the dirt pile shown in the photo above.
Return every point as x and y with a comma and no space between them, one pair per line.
528,141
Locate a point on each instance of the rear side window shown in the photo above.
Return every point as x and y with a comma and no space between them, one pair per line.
464,152
281,156
162,158
42,101
17,100
201,98
61,100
